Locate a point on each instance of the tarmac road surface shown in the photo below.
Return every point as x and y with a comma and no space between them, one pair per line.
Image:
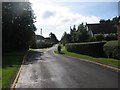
49,70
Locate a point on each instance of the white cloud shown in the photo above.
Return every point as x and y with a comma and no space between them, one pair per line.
60,18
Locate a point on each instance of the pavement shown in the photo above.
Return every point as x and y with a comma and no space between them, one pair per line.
44,69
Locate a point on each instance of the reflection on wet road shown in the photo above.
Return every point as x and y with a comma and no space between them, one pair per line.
48,70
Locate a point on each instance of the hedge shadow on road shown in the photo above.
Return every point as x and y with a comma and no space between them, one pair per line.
32,57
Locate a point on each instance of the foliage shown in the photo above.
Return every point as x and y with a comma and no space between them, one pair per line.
41,42
81,34
113,21
73,34
10,61
112,49
59,48
99,37
110,37
108,61
41,45
53,38
17,26
90,48
92,39
76,35
66,38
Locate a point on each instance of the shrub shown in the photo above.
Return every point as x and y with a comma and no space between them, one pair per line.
92,39
99,37
59,48
90,48
110,37
112,49
41,45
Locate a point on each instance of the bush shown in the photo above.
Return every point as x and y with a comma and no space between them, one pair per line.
91,39
99,37
112,49
94,49
111,37
41,45
59,48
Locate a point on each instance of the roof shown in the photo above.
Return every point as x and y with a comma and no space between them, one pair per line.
101,28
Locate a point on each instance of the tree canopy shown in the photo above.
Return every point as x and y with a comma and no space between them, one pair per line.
17,25
81,34
53,38
76,35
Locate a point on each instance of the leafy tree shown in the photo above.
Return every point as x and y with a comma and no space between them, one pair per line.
17,26
73,33
76,35
83,33
66,38
113,21
53,38
81,27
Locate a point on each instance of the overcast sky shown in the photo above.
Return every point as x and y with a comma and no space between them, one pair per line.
57,17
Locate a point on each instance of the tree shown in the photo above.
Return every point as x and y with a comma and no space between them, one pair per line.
53,38
73,34
82,33
66,38
17,26
81,27
113,21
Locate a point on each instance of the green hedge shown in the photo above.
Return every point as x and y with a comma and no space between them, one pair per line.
42,45
112,49
94,49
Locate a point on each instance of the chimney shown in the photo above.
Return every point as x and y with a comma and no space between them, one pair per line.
41,32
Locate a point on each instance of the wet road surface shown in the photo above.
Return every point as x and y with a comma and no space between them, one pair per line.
49,70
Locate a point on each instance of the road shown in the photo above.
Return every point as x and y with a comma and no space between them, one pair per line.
49,70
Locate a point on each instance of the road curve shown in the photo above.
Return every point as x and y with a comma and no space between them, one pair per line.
49,70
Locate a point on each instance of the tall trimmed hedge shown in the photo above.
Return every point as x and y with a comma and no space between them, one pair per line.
94,49
41,45
112,49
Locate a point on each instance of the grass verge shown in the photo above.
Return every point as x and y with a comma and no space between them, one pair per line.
10,61
107,61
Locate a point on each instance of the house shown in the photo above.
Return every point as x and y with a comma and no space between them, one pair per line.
101,27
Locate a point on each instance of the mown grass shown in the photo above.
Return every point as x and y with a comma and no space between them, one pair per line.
10,61
107,61
0,78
